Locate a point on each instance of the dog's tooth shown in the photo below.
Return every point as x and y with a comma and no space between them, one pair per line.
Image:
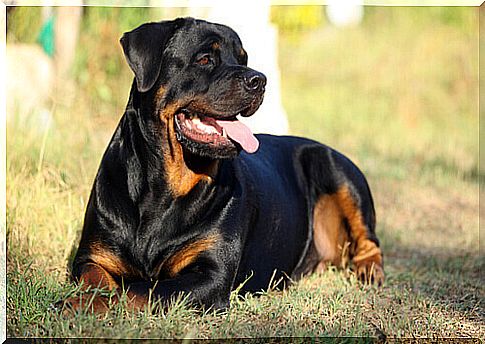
207,129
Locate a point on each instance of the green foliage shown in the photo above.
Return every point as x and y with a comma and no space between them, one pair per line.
457,18
297,18
24,24
100,66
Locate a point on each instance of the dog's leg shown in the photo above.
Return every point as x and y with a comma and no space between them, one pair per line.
97,267
366,255
330,236
201,286
341,232
194,269
343,213
92,276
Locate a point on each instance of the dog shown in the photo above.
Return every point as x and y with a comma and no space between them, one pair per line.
188,200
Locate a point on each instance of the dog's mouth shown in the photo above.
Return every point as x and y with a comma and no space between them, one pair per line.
216,132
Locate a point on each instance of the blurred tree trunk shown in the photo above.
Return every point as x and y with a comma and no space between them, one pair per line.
481,134
66,34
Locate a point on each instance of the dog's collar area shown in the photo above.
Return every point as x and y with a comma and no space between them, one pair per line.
219,132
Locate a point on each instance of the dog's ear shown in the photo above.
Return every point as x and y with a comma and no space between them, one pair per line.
143,48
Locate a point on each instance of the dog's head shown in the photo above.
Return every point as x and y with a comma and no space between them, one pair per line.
196,73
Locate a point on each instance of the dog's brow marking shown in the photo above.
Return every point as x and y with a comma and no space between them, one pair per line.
159,95
180,178
188,254
216,46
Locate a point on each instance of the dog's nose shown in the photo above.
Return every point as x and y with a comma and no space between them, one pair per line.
254,81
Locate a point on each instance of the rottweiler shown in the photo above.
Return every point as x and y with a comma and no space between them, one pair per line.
188,200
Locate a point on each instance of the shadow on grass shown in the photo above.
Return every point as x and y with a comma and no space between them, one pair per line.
451,279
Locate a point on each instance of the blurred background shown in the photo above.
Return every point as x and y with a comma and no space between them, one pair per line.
394,88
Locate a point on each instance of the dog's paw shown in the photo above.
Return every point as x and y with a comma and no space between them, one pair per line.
368,266
369,272
367,263
85,302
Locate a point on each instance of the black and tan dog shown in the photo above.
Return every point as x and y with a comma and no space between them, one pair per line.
187,199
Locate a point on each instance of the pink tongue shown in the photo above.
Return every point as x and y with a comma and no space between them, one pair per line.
240,133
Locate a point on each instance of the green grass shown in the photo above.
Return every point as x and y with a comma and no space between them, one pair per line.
399,99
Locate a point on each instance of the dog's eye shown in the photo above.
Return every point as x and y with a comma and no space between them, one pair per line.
204,60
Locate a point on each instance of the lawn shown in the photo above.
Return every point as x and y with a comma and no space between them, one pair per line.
398,94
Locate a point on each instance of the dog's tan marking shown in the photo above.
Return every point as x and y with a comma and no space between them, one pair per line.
367,256
93,275
180,178
329,232
216,46
159,95
358,229
333,242
188,254
110,262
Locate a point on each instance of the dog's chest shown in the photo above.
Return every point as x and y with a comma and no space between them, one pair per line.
167,228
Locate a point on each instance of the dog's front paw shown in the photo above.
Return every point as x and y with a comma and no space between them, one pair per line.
88,302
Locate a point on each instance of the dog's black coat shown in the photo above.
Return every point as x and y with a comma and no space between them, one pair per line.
258,208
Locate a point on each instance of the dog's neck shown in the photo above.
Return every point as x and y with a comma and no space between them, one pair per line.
182,170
